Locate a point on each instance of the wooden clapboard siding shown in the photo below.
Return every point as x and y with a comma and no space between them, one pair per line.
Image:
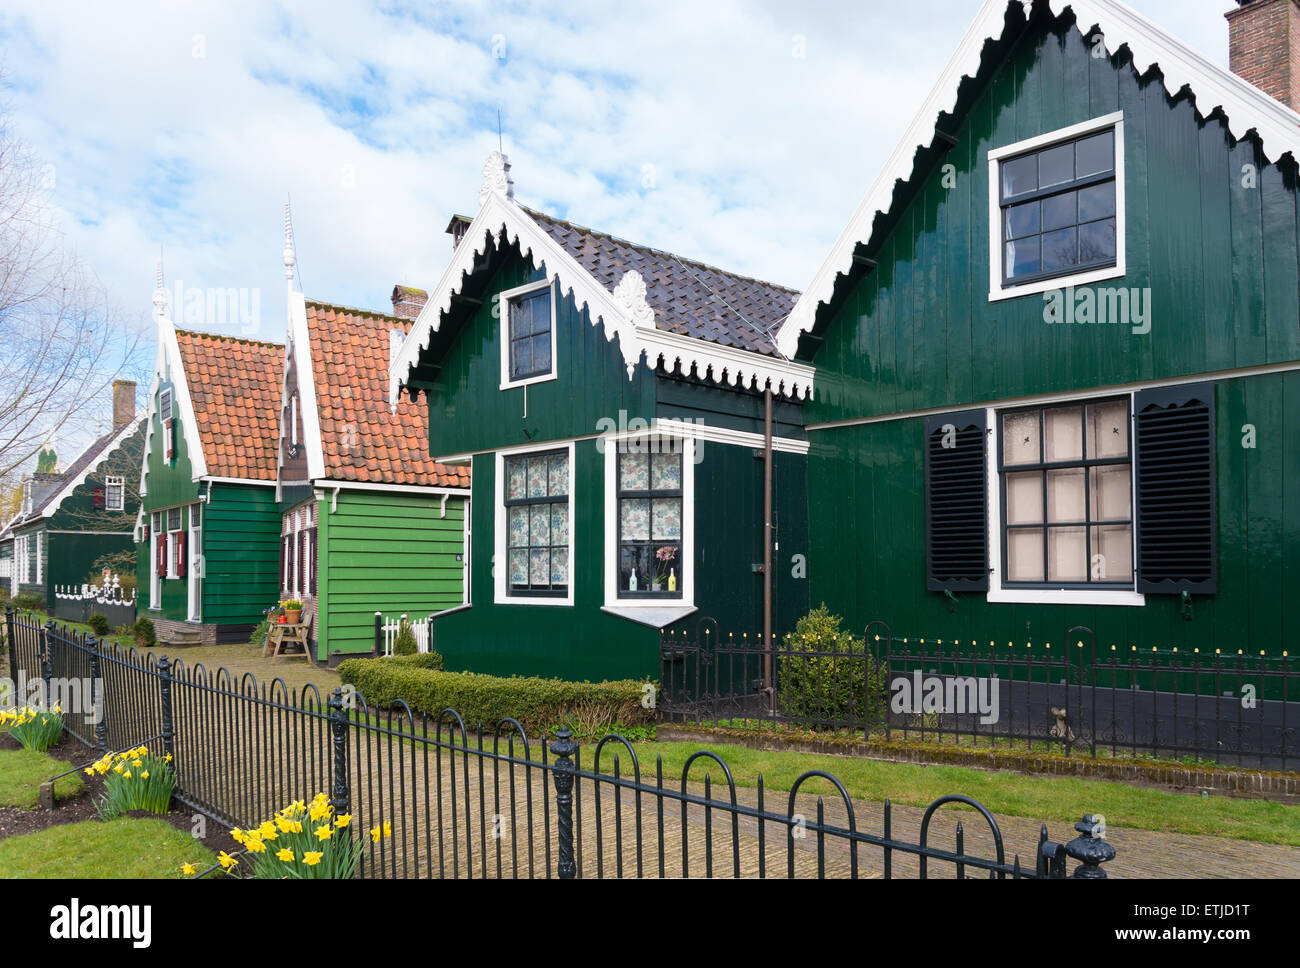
384,552
241,533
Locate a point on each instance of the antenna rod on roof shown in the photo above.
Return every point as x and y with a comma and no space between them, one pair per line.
499,144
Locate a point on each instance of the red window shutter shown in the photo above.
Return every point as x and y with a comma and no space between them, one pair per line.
180,554
169,439
97,496
161,563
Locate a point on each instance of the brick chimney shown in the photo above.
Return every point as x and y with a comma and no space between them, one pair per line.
123,403
408,302
456,228
1264,47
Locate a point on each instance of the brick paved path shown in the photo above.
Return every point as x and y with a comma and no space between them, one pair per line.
467,803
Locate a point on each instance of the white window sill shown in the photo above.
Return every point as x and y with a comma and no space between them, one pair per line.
655,616
511,385
1064,596
529,600
1060,282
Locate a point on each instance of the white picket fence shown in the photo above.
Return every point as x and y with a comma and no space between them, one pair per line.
386,630
110,593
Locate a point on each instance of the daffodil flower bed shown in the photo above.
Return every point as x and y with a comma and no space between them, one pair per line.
134,779
303,841
35,728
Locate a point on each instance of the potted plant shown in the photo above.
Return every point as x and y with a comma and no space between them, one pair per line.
292,608
665,568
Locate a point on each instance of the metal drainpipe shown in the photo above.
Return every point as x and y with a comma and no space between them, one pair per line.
767,547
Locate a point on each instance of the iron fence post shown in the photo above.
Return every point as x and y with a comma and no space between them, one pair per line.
165,695
12,644
339,732
97,702
47,664
379,634
564,747
1090,848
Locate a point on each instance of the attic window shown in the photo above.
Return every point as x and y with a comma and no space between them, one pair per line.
527,335
165,405
1057,209
114,493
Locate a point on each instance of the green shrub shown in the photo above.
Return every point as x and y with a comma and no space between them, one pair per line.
421,660
33,727
260,633
835,680
145,634
29,602
540,705
405,643
99,624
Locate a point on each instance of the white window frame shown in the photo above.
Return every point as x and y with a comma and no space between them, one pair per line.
686,602
166,405
501,569
120,484
22,571
999,290
171,539
998,593
503,310
157,522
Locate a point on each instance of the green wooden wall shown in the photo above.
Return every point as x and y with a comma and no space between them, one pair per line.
241,554
469,412
387,552
1220,259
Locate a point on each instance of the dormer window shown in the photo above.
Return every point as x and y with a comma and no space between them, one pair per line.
1056,209
527,335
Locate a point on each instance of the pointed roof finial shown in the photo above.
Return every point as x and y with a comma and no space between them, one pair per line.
289,258
159,294
496,178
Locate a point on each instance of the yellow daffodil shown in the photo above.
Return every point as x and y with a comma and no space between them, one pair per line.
144,775
285,855
189,870
127,774
388,829
267,831
254,843
167,758
238,835
226,861
342,820
375,834
312,857
324,833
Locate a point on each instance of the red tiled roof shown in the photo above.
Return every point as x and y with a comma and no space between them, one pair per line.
235,387
362,439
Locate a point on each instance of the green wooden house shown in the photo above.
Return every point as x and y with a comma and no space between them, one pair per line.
1058,349
209,522
612,401
71,518
369,523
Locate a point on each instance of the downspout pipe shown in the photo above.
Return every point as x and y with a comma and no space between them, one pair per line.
767,548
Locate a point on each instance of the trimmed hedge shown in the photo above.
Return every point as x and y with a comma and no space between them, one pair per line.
426,660
540,705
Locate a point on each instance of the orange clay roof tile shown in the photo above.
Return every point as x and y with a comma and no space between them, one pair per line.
235,387
362,439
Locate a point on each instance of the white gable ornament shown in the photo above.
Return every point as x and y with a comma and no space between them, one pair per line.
496,178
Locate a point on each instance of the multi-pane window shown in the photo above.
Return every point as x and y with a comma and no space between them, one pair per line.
650,520
537,524
1067,495
1058,209
165,406
173,541
529,331
114,493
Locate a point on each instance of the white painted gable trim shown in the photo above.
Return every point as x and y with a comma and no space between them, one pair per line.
76,482
298,348
169,361
1245,108
624,311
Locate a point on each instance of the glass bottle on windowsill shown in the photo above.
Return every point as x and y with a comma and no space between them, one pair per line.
631,582
672,579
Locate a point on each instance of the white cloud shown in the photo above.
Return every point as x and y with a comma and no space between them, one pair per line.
377,117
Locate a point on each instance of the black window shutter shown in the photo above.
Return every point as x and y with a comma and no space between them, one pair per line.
1174,464
315,561
956,505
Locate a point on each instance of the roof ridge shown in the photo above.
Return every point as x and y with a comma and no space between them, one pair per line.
660,252
358,311
230,339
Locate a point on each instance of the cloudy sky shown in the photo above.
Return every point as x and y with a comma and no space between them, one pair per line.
741,134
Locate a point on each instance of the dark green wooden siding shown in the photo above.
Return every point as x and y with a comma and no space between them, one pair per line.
1220,259
469,412
241,554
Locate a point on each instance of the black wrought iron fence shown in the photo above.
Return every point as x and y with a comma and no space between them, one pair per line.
1071,694
467,801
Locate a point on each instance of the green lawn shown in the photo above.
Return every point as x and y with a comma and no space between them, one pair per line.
1060,800
128,847
23,771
